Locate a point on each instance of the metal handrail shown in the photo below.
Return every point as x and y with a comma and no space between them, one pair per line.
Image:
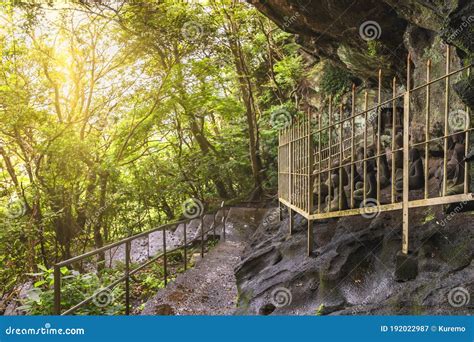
303,160
128,273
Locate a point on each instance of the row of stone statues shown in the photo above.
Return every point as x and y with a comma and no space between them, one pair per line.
455,166
332,190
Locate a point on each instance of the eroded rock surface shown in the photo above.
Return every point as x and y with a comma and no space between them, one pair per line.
210,288
353,267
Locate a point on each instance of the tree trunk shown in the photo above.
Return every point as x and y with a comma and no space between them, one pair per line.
205,147
98,224
250,109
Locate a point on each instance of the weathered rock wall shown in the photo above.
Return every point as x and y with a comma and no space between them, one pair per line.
363,36
334,28
353,268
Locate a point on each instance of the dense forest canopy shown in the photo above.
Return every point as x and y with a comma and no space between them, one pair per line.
114,114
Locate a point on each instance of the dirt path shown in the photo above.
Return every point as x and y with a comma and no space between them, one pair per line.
209,288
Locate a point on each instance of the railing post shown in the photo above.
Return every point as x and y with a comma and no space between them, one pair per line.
57,290
165,259
310,182
446,121
202,236
279,170
353,146
394,134
468,142
127,277
406,149
290,164
427,128
185,248
379,133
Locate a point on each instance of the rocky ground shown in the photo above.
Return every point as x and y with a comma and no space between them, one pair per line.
146,247
210,287
352,269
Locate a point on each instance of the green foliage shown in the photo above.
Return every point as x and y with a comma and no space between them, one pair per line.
149,282
212,243
107,126
429,216
75,288
374,48
289,71
335,81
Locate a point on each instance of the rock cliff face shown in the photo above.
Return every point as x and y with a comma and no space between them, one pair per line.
363,36
334,29
353,268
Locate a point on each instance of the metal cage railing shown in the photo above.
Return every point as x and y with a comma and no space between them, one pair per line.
328,167
129,271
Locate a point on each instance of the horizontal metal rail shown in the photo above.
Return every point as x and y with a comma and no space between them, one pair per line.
324,161
128,272
383,207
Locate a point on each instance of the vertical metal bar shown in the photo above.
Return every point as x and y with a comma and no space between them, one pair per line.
279,166
310,168
287,160
379,132
308,157
165,259
127,277
185,247
352,144
319,162
394,132
446,113
310,188
366,104
304,161
285,166
427,127
340,158
301,166
328,206
406,123
300,171
290,159
297,165
57,290
202,236
466,144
